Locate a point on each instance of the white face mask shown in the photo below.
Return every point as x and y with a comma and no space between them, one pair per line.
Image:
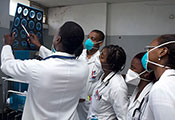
133,78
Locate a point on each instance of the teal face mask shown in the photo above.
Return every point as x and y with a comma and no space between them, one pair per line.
53,49
89,44
145,59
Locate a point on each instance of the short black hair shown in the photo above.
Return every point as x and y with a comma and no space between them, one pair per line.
139,56
116,57
102,36
171,48
72,36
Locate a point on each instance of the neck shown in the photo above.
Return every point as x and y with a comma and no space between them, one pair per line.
59,48
159,71
91,52
141,86
106,73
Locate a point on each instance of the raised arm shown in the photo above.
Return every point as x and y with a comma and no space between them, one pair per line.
15,68
43,51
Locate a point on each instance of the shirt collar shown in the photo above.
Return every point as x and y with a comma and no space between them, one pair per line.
63,54
168,72
145,91
108,76
97,53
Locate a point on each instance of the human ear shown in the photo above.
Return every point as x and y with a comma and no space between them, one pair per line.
101,43
58,39
163,52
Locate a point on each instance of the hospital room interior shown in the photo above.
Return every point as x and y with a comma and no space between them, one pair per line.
130,24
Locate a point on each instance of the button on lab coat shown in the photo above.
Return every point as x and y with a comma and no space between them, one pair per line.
161,104
113,102
133,105
54,84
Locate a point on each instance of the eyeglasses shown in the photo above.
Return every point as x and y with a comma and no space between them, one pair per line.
149,47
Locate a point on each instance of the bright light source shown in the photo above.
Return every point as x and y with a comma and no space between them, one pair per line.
13,5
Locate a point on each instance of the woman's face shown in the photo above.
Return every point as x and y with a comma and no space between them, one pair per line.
154,54
103,59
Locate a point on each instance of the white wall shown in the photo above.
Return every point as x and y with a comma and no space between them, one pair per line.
148,18
4,14
91,16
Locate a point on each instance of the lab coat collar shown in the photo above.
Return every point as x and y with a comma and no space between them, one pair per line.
168,72
145,91
63,54
93,56
108,76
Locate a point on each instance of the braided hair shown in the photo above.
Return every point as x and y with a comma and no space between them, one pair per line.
116,57
171,48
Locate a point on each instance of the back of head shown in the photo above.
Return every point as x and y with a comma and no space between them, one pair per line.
116,57
72,36
101,34
171,48
139,57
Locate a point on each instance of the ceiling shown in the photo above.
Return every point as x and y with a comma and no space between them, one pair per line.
56,3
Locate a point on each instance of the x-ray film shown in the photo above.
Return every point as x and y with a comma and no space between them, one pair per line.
31,19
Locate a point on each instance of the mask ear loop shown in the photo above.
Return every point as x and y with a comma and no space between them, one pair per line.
144,78
142,72
95,44
162,45
163,66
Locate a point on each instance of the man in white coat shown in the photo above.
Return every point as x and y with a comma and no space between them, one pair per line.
55,83
91,56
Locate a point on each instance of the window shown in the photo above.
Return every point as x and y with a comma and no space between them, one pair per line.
13,5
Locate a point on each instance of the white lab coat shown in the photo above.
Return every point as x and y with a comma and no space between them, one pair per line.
133,105
113,102
95,71
161,104
54,84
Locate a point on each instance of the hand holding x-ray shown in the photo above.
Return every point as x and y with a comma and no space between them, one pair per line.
34,40
9,39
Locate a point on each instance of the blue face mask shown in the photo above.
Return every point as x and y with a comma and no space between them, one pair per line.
89,44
